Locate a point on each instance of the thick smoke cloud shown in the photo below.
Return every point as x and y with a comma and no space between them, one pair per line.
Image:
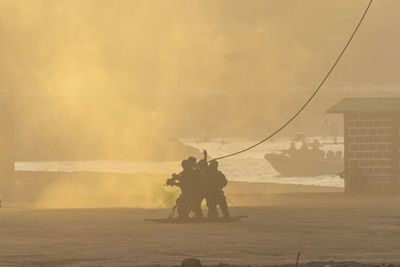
121,79
125,70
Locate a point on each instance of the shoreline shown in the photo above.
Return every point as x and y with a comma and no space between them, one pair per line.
27,188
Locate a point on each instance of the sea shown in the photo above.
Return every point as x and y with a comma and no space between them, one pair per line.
249,166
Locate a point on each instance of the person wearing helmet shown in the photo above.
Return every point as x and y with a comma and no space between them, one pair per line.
182,181
215,182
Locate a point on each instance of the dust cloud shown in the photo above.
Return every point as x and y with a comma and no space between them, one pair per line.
121,80
105,190
106,73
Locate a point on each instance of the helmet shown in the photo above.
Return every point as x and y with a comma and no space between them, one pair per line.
214,164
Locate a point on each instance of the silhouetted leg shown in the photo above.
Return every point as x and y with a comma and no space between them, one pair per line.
223,204
212,207
182,207
347,185
196,207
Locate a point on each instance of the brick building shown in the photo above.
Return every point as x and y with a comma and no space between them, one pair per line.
6,135
372,141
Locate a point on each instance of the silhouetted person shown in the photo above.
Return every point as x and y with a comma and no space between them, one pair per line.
354,179
198,193
304,146
330,155
194,181
182,181
315,145
292,150
192,161
215,182
188,181
292,147
317,152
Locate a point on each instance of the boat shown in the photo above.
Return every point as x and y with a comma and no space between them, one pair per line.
299,137
333,142
302,163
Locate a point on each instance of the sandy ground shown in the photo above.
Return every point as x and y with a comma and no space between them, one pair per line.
325,225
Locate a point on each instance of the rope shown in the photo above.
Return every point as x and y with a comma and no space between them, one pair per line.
168,199
173,195
311,97
304,105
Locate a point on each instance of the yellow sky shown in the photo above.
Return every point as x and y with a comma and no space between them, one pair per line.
176,64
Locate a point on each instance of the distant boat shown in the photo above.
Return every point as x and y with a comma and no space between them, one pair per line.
303,165
299,137
333,142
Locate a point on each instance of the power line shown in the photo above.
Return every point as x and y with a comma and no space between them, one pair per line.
312,96
306,103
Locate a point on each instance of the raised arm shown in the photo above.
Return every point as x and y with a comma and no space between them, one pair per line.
205,154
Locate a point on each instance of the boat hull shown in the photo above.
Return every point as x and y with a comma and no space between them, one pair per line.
303,166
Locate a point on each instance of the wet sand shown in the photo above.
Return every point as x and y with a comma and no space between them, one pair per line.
324,226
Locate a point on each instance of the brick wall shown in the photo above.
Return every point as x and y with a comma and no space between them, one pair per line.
369,141
398,148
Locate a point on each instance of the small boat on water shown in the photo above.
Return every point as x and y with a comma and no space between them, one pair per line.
334,142
299,137
306,162
303,166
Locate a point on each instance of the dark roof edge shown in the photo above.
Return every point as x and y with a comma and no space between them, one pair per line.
366,105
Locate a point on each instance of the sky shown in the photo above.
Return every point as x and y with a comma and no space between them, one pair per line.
116,71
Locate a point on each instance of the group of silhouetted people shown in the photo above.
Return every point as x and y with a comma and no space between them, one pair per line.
198,181
312,150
